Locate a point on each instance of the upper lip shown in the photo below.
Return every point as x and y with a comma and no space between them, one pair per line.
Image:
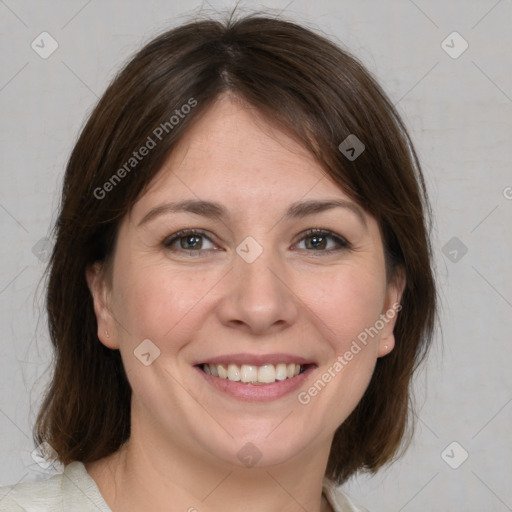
256,359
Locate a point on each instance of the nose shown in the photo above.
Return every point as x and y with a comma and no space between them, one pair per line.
258,298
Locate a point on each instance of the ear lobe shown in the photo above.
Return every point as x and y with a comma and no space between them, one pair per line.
390,313
100,293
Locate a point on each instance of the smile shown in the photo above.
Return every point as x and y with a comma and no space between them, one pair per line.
252,374
256,377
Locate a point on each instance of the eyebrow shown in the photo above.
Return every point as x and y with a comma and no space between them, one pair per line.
215,210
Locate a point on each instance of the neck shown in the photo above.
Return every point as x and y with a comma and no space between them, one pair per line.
143,476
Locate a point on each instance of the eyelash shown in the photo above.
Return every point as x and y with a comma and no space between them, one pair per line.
342,243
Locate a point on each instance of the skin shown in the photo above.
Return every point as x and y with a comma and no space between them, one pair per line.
198,304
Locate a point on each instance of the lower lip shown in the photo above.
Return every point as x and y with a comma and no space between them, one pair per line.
255,392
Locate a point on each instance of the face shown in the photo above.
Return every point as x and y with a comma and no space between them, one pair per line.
260,323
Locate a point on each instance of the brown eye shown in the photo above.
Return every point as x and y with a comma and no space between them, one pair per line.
318,240
187,240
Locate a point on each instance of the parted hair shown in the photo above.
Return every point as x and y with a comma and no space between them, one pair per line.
308,85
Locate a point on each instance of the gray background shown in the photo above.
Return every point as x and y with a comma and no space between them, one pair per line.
459,113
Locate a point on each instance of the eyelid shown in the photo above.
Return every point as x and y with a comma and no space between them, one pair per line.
342,242
169,240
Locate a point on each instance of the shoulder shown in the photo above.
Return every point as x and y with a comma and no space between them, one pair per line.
339,501
38,495
72,490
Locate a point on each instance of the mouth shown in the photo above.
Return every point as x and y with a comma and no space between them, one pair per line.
255,375
256,379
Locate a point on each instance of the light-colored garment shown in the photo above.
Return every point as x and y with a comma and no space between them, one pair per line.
75,491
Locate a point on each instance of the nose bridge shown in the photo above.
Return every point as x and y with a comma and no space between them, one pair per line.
260,273
258,296
256,268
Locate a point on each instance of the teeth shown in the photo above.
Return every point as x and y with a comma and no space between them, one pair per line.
281,372
233,373
266,374
248,373
223,373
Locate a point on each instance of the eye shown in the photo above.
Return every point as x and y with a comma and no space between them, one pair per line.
319,241
191,240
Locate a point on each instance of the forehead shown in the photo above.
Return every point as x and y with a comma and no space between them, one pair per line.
233,153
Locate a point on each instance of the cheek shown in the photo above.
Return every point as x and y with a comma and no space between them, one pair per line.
345,302
152,301
156,303
346,305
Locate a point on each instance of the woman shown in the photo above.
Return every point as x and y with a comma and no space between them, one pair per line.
241,286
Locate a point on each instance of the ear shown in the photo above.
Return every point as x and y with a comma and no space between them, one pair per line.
100,291
390,312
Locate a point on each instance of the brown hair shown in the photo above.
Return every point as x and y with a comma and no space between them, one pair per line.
316,91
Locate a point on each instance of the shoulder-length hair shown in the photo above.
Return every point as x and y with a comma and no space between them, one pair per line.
314,90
